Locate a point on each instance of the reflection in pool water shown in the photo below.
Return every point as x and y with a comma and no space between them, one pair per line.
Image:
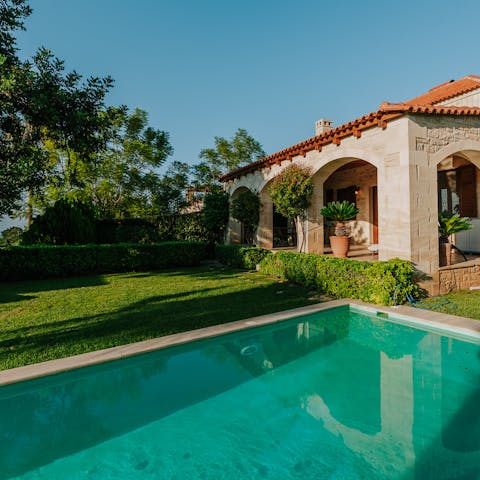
337,394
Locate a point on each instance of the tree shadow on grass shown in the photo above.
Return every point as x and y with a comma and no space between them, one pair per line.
70,325
203,271
148,318
21,290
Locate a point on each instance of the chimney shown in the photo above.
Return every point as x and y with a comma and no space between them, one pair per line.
323,126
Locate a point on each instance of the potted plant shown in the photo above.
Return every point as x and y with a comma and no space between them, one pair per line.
340,212
448,224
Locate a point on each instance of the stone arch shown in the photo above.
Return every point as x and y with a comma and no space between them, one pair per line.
458,191
274,231
364,176
236,232
336,159
469,148
239,189
325,159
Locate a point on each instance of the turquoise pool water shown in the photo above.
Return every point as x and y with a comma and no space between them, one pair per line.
340,394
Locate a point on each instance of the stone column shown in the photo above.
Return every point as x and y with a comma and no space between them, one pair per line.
234,231
264,235
423,212
394,209
314,223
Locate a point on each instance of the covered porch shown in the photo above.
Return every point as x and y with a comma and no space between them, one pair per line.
350,179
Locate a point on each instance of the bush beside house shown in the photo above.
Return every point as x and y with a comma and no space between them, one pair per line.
240,257
373,282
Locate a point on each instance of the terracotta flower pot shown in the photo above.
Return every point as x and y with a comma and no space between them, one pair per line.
340,246
445,254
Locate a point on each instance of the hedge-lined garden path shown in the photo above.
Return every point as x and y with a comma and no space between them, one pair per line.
47,319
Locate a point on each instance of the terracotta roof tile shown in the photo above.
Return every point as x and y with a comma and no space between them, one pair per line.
447,90
424,104
428,109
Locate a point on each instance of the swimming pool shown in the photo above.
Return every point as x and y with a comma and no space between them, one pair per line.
337,394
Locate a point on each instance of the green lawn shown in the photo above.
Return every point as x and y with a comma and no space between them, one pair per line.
47,319
465,303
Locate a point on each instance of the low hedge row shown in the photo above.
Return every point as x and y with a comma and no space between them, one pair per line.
373,282
19,263
240,257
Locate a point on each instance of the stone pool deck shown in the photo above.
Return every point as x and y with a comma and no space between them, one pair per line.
458,327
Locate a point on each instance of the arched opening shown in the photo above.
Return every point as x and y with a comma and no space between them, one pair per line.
239,233
284,231
274,230
354,180
458,191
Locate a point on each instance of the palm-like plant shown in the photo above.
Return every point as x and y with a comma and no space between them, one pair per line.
340,212
449,224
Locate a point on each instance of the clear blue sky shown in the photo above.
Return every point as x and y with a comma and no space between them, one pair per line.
203,68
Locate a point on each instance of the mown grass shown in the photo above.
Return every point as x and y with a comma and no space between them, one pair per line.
47,319
465,303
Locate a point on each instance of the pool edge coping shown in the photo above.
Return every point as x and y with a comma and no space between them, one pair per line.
433,321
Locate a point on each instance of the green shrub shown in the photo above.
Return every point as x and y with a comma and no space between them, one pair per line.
372,282
190,227
240,257
215,215
67,222
187,227
11,236
246,209
166,227
18,263
291,191
128,230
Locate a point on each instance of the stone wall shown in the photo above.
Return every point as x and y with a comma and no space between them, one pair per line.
433,139
459,277
442,131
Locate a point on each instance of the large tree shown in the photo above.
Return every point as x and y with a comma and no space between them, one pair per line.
227,155
122,179
169,196
40,101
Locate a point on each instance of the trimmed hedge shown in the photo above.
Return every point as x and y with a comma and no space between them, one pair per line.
20,263
128,230
373,282
240,257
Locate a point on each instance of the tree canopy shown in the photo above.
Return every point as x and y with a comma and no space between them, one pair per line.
291,191
62,144
227,155
246,209
40,101
123,177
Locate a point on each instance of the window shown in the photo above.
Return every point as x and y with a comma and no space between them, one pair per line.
457,191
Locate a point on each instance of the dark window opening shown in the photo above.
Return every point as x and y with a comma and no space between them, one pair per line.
329,195
457,191
284,231
347,194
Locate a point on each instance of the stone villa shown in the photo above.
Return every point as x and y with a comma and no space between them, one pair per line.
401,165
